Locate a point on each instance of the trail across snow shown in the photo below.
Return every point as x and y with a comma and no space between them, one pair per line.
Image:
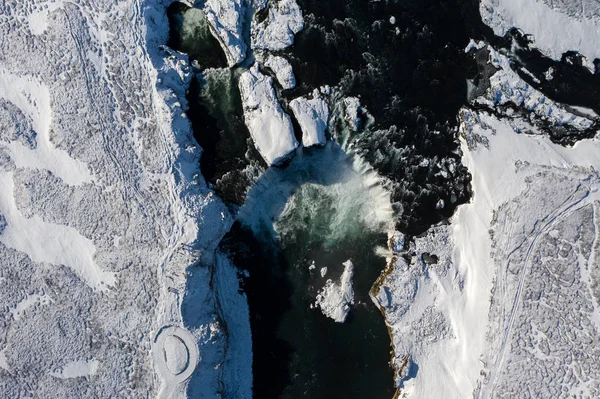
574,203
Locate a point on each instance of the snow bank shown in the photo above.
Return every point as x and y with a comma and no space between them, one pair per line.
313,116
277,31
507,87
283,71
226,17
555,32
335,298
270,127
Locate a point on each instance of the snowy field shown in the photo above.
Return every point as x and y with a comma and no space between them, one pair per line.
509,306
102,212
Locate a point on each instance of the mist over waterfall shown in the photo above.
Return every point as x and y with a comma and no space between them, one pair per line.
298,227
338,193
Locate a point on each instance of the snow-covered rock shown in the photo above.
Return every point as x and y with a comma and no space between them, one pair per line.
335,298
351,106
277,31
226,18
270,127
440,204
508,88
283,71
313,116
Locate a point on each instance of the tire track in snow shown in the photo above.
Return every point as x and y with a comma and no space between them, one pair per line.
558,214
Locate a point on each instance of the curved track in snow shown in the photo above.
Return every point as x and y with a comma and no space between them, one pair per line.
560,213
172,382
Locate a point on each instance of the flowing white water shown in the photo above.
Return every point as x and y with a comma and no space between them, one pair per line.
342,190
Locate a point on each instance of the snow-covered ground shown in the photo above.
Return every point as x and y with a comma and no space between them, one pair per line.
110,281
495,309
505,296
542,228
557,26
103,213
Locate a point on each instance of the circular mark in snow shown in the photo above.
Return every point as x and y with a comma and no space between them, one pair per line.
175,354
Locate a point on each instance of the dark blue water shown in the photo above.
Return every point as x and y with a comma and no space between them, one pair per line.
313,210
194,39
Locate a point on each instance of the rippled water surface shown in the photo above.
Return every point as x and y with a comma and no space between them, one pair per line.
322,209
